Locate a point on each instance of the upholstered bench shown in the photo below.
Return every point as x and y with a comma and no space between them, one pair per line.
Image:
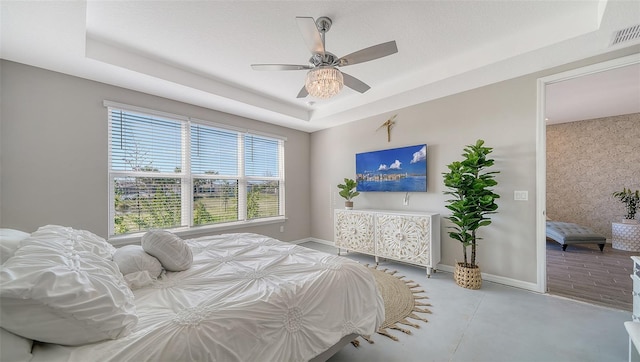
567,233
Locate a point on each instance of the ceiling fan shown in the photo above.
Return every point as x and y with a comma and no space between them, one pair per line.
324,80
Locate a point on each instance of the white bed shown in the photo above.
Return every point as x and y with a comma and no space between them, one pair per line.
246,297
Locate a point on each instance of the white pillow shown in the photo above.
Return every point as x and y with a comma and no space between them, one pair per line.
139,279
9,242
78,239
174,253
65,296
14,348
132,259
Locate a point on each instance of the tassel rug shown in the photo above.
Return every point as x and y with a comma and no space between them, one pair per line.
401,302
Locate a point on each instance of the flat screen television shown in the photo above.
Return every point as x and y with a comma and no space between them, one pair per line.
401,169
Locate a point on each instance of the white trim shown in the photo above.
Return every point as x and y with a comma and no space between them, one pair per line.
281,185
198,231
217,125
300,241
592,69
186,181
186,176
265,134
237,129
541,189
110,188
127,107
242,181
321,241
496,279
449,269
541,153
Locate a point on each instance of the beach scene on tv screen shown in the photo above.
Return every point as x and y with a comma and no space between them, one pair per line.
397,169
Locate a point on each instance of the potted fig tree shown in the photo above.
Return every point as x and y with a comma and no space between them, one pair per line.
631,201
348,192
473,199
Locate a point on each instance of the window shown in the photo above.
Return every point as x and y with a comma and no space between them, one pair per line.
168,171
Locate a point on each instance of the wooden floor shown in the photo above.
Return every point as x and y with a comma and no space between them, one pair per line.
584,273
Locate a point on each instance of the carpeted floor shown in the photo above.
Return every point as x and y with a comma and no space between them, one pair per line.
584,273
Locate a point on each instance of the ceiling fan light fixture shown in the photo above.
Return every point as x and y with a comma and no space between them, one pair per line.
324,82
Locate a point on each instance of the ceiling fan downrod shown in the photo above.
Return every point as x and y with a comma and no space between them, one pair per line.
323,24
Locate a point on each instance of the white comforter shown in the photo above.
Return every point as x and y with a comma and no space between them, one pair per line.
247,297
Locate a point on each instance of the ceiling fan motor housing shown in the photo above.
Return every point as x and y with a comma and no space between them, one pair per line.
323,59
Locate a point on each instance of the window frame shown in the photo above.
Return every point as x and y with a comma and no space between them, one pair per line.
187,177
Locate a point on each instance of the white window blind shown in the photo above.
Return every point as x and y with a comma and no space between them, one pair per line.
214,164
214,151
145,143
262,168
169,171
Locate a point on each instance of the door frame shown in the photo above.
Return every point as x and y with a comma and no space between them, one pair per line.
541,152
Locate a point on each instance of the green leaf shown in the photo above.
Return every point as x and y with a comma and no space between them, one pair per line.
469,185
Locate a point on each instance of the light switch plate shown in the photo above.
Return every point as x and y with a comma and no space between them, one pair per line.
521,195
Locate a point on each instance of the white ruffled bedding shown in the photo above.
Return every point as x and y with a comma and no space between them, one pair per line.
247,297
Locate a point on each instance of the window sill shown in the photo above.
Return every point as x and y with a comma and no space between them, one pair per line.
193,232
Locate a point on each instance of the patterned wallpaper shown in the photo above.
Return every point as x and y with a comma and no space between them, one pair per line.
586,162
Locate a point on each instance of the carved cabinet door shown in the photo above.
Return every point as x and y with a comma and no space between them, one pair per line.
403,237
354,231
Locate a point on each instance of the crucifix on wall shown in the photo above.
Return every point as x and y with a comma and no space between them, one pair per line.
389,124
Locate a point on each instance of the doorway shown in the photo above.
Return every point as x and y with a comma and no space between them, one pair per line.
541,153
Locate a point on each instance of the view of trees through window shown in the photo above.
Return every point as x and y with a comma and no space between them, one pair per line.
142,203
151,190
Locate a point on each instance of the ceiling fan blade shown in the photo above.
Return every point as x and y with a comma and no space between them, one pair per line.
354,83
370,53
311,35
280,67
303,92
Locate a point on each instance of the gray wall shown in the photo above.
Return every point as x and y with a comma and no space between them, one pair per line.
54,158
53,152
502,114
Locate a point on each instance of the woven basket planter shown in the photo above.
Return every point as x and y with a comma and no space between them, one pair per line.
467,277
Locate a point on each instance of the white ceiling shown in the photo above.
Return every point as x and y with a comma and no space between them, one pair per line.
200,52
608,93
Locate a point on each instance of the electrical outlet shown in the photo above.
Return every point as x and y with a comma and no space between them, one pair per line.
281,228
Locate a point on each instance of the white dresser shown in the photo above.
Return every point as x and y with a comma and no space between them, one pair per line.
406,236
633,327
636,288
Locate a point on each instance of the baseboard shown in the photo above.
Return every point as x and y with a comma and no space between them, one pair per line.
497,279
447,268
315,240
321,241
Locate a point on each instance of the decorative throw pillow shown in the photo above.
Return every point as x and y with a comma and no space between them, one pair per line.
9,242
132,259
174,253
78,239
64,295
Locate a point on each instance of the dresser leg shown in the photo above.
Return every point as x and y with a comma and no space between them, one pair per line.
429,270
